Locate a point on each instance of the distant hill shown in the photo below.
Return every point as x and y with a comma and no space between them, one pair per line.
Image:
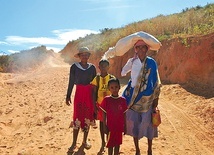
25,60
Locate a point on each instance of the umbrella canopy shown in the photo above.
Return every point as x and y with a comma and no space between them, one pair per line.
126,43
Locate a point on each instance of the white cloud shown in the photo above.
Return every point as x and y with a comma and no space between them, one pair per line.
58,40
3,43
62,37
18,40
71,34
13,51
54,48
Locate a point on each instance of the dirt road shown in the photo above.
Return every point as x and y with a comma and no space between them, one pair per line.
34,118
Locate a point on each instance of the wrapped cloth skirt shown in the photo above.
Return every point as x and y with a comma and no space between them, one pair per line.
140,124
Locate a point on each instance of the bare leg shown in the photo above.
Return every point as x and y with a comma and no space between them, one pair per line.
85,136
75,135
116,150
84,142
102,137
149,146
136,143
110,151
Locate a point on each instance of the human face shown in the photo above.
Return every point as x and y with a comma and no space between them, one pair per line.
114,88
141,51
84,57
104,67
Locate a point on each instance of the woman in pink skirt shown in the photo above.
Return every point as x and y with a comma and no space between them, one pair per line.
81,74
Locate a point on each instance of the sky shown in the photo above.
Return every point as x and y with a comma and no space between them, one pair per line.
25,24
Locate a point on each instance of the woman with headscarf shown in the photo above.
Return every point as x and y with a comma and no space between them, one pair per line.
141,95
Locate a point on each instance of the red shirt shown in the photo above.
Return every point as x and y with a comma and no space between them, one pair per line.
114,109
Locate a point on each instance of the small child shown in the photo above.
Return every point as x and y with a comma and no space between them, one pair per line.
114,108
101,90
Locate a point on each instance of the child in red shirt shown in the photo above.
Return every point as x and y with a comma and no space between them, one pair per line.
114,108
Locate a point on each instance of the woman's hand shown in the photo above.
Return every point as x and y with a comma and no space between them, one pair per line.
155,103
68,101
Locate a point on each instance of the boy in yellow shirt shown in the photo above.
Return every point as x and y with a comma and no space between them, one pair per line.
101,90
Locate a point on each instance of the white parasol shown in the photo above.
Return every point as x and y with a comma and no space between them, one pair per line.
126,43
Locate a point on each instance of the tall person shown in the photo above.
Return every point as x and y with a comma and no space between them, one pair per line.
81,74
142,95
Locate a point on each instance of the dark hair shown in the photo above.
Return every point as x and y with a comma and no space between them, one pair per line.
104,61
112,80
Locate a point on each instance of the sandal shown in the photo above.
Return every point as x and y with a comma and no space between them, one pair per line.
86,145
71,149
95,126
102,151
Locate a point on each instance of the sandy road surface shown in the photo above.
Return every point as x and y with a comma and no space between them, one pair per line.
34,118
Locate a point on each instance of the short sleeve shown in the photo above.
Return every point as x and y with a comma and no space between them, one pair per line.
124,105
94,81
103,105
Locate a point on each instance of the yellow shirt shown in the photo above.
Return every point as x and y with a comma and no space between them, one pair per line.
103,87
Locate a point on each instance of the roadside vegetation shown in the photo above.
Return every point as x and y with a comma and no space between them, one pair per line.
190,22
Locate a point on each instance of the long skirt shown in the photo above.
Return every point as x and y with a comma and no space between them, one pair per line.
83,115
140,124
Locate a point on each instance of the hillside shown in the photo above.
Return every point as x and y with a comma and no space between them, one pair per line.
26,60
187,54
186,61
